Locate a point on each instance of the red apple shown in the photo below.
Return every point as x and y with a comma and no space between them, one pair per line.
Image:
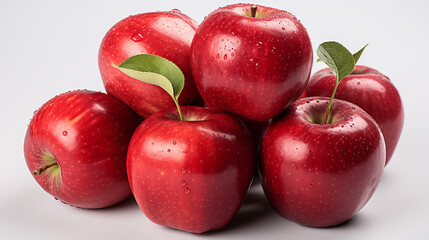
166,34
193,174
370,90
76,146
321,174
251,64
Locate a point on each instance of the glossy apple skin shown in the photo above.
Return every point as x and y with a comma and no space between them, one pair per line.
166,34
251,67
370,90
321,175
191,175
88,134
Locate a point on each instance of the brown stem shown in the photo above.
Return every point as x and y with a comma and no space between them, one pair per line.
253,10
43,168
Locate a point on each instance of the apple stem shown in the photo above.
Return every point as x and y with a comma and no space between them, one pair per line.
329,108
43,168
176,101
253,10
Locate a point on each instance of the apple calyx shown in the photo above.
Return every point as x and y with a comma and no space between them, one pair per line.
341,62
157,71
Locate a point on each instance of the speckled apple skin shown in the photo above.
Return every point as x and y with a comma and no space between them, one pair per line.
370,90
321,175
88,134
191,175
166,34
251,67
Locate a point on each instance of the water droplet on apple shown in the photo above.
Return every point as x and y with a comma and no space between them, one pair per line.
217,55
183,170
259,45
233,34
187,190
137,37
310,185
175,11
283,28
232,54
358,83
183,182
174,142
65,133
185,151
168,150
225,57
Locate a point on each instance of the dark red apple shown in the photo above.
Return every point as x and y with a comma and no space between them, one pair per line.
166,34
370,90
193,174
321,174
253,65
76,146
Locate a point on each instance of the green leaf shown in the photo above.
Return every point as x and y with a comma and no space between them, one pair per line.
155,70
356,56
337,57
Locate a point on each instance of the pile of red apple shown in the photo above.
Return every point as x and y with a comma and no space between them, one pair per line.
319,159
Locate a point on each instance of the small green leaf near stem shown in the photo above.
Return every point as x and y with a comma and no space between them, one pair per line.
356,56
157,71
341,62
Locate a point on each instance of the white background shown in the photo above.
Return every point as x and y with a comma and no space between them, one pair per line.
47,48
